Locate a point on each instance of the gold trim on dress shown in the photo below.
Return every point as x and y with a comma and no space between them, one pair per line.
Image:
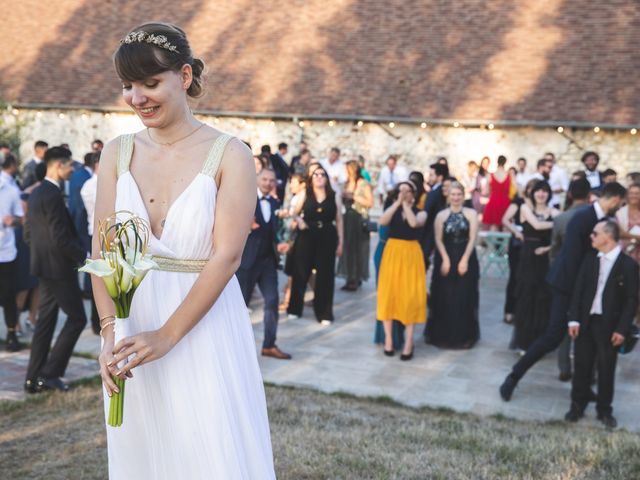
167,264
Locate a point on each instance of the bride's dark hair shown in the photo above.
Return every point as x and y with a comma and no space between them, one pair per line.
153,48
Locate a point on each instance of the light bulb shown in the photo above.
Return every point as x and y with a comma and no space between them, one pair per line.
38,114
301,123
423,125
391,124
456,124
360,123
490,126
61,115
596,129
560,129
331,123
633,131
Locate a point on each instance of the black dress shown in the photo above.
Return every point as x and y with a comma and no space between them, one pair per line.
315,248
453,303
533,297
515,246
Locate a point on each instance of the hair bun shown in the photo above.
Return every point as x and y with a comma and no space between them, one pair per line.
196,88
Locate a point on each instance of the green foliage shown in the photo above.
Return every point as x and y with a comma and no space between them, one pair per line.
10,127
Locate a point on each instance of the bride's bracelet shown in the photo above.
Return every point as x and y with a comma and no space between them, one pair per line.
106,317
111,323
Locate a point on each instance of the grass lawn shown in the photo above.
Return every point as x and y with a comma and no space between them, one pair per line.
318,436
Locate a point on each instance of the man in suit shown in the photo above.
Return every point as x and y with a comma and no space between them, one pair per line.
562,278
29,170
260,261
603,307
579,191
76,206
434,203
56,252
590,160
279,166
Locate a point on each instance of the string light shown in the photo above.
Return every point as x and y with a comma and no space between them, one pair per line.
272,123
391,124
331,123
38,114
490,126
633,131
61,115
15,111
107,115
596,129
423,125
560,129
84,116
243,122
216,120
360,123
301,123
456,124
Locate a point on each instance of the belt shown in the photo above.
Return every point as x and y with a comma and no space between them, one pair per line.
319,224
167,264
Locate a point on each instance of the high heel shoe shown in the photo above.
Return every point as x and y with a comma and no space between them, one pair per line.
406,357
389,353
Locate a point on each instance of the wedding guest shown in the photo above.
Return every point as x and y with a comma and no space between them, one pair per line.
397,329
579,193
29,170
357,198
417,178
453,316
633,177
629,219
512,223
604,303
543,170
483,183
281,169
301,166
609,176
499,188
522,175
434,203
558,181
335,169
56,252
470,183
402,291
259,162
590,160
88,194
296,158
443,161
11,215
562,278
532,293
97,146
76,206
390,175
259,262
319,242
297,186
365,173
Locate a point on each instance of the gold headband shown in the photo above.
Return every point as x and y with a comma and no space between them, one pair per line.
157,40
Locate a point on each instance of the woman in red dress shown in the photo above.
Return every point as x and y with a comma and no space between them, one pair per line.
499,200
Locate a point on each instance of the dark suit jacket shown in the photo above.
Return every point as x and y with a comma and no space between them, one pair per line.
266,232
434,203
281,169
577,243
28,174
56,250
619,298
76,205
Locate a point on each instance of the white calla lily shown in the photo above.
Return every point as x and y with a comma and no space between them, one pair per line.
142,267
128,274
102,268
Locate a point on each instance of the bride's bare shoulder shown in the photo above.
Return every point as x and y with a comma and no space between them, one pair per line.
236,155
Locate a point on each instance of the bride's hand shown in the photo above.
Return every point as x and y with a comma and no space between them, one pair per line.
146,347
108,367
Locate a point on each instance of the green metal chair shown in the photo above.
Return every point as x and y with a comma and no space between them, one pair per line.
495,253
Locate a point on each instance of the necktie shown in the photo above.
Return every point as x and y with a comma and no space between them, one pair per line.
392,181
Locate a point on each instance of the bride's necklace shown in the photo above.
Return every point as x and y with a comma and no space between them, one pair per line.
168,144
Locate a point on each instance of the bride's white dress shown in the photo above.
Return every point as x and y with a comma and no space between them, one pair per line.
200,411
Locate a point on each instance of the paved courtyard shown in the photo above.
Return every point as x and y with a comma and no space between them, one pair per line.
343,358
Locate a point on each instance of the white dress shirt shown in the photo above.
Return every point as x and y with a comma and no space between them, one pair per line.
88,193
9,205
599,212
337,172
387,180
593,178
522,178
265,206
558,179
607,261
55,182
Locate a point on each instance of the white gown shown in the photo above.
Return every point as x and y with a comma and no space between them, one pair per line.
200,411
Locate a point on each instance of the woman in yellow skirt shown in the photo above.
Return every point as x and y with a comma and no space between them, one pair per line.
402,288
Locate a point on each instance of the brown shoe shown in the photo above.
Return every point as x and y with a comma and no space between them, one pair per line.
275,352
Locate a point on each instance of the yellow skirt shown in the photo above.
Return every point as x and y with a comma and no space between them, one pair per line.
402,284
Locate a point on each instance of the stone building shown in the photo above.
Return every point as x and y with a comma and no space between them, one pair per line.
421,79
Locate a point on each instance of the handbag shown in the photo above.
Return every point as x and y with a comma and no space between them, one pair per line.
369,227
630,340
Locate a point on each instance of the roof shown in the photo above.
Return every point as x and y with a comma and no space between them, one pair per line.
500,60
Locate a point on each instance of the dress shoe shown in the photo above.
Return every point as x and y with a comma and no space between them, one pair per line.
31,386
275,352
293,316
608,420
507,387
389,353
564,376
405,357
347,287
13,345
574,414
52,384
326,323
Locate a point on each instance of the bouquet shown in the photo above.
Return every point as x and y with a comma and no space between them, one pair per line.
123,264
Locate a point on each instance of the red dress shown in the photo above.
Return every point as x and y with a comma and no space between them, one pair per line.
498,201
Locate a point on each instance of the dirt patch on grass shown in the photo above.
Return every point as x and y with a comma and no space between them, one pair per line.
318,436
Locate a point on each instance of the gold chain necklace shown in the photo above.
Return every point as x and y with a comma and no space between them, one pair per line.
168,144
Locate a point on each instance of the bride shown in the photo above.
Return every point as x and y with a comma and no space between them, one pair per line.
194,406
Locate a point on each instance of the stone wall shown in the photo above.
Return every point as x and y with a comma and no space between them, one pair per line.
417,146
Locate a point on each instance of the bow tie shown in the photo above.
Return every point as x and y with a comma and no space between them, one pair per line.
265,197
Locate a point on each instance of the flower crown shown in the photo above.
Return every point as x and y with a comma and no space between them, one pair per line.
157,40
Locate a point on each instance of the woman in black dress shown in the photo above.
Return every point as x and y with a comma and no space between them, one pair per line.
453,316
319,241
532,293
